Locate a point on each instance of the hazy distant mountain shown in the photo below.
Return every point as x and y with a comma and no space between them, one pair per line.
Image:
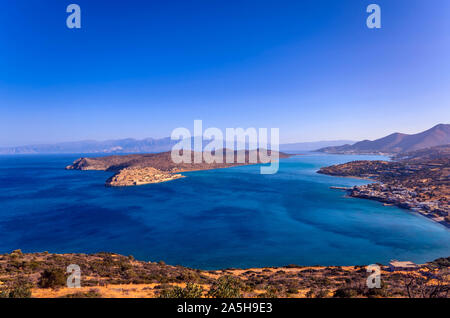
397,142
90,146
309,146
142,146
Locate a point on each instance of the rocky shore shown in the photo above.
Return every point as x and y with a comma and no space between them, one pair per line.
418,181
405,198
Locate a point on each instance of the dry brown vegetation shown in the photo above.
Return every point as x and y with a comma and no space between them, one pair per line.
112,275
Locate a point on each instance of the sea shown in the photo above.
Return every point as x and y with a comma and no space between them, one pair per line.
224,218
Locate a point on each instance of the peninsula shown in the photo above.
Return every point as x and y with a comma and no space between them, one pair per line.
417,180
139,169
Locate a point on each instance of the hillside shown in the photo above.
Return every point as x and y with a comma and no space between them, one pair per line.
397,142
311,146
108,275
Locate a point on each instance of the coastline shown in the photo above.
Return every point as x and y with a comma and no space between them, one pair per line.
391,202
381,192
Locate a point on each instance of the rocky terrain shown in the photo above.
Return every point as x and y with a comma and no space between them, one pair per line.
138,169
139,176
111,275
397,142
418,180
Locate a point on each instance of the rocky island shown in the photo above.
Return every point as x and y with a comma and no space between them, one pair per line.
418,180
139,176
139,169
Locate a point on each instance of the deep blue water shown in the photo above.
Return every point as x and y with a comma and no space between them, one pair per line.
232,217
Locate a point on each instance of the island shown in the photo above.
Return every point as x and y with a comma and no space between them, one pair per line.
418,180
139,169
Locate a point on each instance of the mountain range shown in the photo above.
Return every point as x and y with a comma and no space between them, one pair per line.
148,145
396,143
392,144
128,145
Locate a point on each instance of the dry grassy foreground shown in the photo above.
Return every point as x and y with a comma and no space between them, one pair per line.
112,276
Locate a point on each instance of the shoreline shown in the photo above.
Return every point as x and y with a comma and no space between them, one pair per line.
418,182
388,202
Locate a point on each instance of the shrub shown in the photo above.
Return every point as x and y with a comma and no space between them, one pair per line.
225,287
52,278
190,291
92,293
442,262
292,290
322,293
21,289
173,292
188,276
345,293
381,292
271,292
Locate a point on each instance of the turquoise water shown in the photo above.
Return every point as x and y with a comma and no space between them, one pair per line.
232,217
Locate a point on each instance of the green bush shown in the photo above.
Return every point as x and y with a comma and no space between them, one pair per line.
20,289
226,287
52,278
190,291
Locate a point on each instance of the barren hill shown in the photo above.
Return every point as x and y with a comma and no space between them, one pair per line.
398,142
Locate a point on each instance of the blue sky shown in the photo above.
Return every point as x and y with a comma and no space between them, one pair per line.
142,68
